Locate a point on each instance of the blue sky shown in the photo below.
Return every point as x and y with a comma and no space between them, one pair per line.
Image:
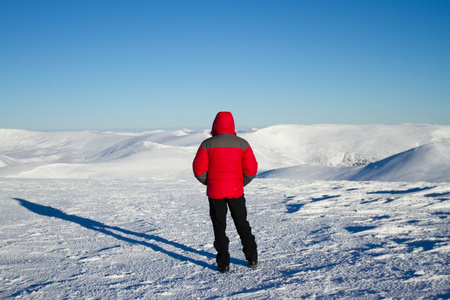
143,65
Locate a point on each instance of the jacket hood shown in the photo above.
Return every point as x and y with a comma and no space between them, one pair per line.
223,123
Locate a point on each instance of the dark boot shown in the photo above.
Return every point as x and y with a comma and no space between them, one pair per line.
253,263
223,269
223,260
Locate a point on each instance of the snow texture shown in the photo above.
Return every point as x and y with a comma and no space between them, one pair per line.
338,211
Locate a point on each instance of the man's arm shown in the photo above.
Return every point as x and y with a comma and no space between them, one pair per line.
249,165
200,165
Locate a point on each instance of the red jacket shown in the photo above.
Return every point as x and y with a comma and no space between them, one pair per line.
224,162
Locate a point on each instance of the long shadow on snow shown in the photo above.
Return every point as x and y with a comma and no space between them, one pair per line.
413,190
105,229
292,208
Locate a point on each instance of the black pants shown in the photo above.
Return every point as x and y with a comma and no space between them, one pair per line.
218,212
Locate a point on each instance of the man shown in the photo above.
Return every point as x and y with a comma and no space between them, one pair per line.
225,163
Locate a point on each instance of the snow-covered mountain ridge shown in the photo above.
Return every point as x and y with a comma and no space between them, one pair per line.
407,152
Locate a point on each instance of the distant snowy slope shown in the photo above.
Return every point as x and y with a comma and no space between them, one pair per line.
326,152
339,145
90,154
430,162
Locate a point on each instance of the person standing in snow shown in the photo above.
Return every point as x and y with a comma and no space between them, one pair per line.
225,163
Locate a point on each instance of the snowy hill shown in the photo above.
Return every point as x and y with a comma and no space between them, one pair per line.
90,154
340,145
327,152
430,162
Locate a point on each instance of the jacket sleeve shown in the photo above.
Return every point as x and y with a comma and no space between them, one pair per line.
249,165
200,165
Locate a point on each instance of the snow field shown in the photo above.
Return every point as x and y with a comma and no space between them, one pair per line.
152,239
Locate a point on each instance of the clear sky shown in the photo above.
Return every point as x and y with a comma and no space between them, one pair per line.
144,65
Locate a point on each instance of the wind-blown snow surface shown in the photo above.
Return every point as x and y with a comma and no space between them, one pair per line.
152,239
91,215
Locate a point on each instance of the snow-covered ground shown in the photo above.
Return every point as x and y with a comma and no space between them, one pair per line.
338,211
